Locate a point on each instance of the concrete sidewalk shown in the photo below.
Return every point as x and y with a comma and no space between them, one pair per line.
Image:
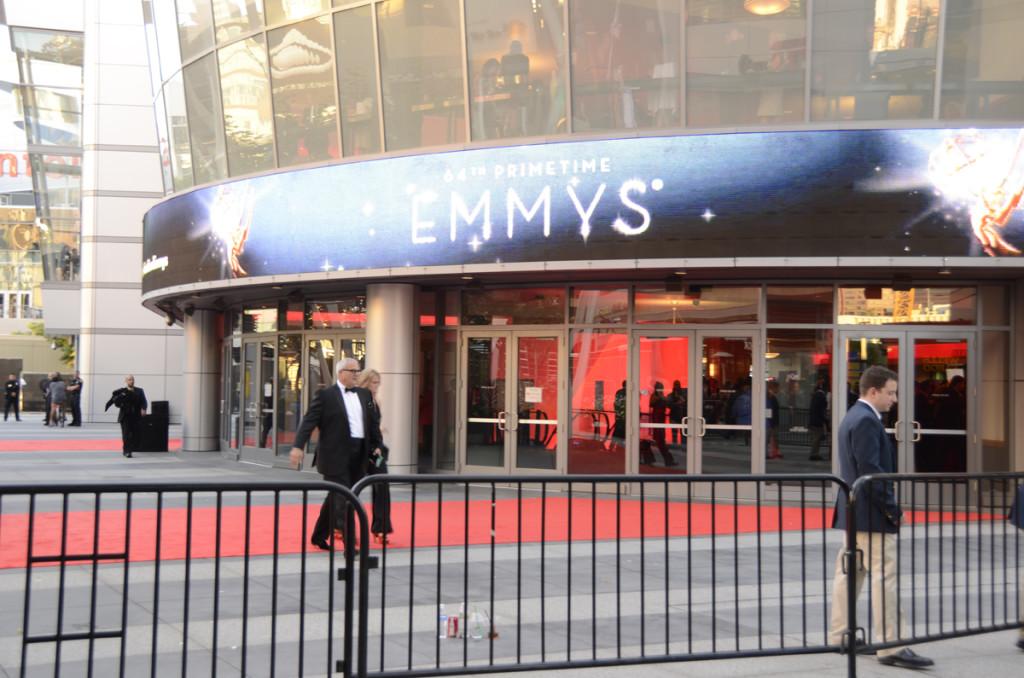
991,655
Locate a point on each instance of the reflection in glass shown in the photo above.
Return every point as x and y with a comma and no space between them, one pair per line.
536,412
698,304
53,116
302,77
663,403
152,53
234,396
421,72
514,306
289,389
873,59
517,68
625,64
245,90
922,305
800,305
726,404
447,402
166,25
995,306
195,27
236,17
49,58
597,365
357,81
266,395
163,142
340,314
256,320
425,400
742,68
940,405
798,365
280,11
177,125
994,413
206,122
981,74
324,355
862,353
591,306
485,401
250,394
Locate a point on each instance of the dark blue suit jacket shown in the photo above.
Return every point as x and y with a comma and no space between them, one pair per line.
865,448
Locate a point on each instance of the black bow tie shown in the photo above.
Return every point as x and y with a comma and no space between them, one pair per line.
351,390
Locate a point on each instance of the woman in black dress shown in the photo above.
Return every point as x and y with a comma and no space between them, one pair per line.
381,525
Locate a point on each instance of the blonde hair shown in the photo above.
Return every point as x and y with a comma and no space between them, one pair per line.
366,376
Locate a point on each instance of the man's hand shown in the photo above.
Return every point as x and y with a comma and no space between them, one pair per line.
296,457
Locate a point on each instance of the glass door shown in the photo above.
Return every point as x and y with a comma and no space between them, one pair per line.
258,370
512,401
727,406
662,401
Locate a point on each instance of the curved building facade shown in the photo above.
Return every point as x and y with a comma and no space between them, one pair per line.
594,236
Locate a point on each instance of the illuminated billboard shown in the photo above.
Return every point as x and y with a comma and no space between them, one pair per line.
904,193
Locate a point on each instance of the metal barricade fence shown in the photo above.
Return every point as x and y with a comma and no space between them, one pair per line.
954,562
147,579
487,574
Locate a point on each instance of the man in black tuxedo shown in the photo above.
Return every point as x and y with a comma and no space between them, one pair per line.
131,403
865,449
349,433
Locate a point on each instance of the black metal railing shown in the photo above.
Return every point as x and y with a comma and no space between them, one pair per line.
132,578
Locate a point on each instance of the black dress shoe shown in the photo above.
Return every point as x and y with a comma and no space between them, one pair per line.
1020,643
320,544
907,659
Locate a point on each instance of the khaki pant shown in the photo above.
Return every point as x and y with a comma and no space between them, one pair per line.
888,620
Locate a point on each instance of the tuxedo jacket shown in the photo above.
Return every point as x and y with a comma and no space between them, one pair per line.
865,448
327,412
130,403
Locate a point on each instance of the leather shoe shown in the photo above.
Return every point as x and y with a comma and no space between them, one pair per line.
1020,643
860,647
907,659
320,544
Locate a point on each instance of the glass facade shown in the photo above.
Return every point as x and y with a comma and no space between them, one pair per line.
248,120
206,122
357,78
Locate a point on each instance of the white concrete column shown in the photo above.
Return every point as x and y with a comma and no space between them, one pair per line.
202,381
391,331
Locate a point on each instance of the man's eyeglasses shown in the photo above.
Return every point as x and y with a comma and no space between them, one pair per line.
348,369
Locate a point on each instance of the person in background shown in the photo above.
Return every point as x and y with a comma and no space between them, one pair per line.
381,526
12,394
44,386
817,418
75,399
57,392
772,415
132,403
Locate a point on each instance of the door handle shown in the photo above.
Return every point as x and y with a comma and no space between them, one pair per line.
686,426
703,426
917,431
514,426
898,426
501,420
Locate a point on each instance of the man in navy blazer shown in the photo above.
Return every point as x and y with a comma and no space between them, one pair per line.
865,449
349,433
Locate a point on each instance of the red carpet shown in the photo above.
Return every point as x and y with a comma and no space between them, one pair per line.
70,445
47,528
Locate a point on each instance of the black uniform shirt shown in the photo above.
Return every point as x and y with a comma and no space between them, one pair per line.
12,388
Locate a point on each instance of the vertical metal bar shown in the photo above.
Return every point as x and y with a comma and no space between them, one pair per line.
952,522
97,506
618,569
714,579
567,81
689,566
302,575
273,582
803,559
348,549
383,586
412,562
643,570
464,608
437,583
593,570
156,583
760,593
216,586
60,589
666,570
942,558
850,637
981,548
736,560
991,559
490,616
188,583
927,558
782,616
245,583
543,568
1005,511
568,580
27,603
808,53
913,557
124,584
466,108
519,572
940,50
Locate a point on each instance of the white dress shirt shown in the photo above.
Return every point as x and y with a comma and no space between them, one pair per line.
354,409
877,413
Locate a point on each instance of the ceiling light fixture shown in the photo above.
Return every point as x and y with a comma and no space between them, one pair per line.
766,7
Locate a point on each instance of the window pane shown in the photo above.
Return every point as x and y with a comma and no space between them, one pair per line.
599,306
421,71
800,305
522,306
924,305
177,125
53,116
236,17
166,25
302,75
259,319
195,27
245,90
517,68
48,57
357,81
447,402
995,403
625,64
164,143
873,59
206,124
289,389
798,365
598,365
340,314
742,68
152,52
981,67
280,11
698,305
995,306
